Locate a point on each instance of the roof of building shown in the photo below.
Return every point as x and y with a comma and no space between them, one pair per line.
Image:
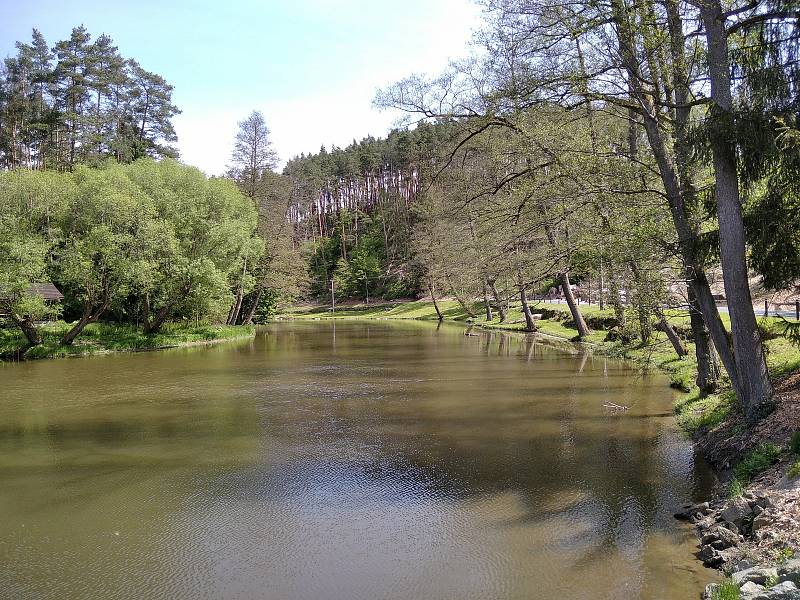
47,291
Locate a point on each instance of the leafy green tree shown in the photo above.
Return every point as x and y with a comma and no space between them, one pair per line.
32,202
202,231
100,225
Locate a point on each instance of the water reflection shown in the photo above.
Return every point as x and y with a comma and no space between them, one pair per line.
344,460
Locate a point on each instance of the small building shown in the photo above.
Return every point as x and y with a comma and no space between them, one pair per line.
47,291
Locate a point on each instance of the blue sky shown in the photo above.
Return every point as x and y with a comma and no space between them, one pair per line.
311,66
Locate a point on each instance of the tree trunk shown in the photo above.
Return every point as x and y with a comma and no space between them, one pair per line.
675,197
664,326
498,302
233,315
29,330
643,307
153,327
465,305
707,368
530,323
577,317
600,293
486,304
247,318
435,301
89,316
751,364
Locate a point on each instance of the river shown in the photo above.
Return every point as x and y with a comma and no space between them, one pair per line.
345,460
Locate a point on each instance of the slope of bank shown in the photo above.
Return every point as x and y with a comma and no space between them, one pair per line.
101,338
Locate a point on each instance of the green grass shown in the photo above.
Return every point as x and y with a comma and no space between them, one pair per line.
757,460
727,590
695,412
735,488
100,338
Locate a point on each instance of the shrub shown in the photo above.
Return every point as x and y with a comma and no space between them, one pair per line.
757,461
794,470
794,443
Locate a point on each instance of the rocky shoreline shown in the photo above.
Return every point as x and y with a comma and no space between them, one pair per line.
751,538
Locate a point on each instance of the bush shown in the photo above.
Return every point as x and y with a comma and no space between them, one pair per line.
794,443
758,460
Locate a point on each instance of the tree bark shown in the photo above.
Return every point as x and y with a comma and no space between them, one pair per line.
498,302
233,315
435,301
89,315
707,368
486,304
247,319
751,364
29,330
686,235
664,326
577,317
530,323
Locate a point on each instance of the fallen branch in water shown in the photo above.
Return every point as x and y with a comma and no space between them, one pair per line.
614,406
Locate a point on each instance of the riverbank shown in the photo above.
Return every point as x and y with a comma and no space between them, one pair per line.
757,466
101,338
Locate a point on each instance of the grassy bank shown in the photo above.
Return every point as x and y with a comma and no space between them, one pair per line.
692,411
101,338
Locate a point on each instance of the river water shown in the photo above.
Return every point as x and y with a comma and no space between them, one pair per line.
349,460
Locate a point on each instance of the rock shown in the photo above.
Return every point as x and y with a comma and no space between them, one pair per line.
708,593
757,575
761,521
742,565
693,511
720,537
736,511
751,591
790,571
709,556
783,591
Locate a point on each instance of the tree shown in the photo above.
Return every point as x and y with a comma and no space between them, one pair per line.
100,225
29,212
253,153
81,102
201,233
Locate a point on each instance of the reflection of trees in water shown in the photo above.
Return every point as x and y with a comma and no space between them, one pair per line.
611,465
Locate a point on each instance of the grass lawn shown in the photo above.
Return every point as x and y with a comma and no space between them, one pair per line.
100,338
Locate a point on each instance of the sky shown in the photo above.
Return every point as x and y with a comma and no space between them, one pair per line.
310,66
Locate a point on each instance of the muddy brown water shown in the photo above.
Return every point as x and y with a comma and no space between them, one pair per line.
348,460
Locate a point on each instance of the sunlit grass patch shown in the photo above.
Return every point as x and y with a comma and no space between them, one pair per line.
694,412
102,337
